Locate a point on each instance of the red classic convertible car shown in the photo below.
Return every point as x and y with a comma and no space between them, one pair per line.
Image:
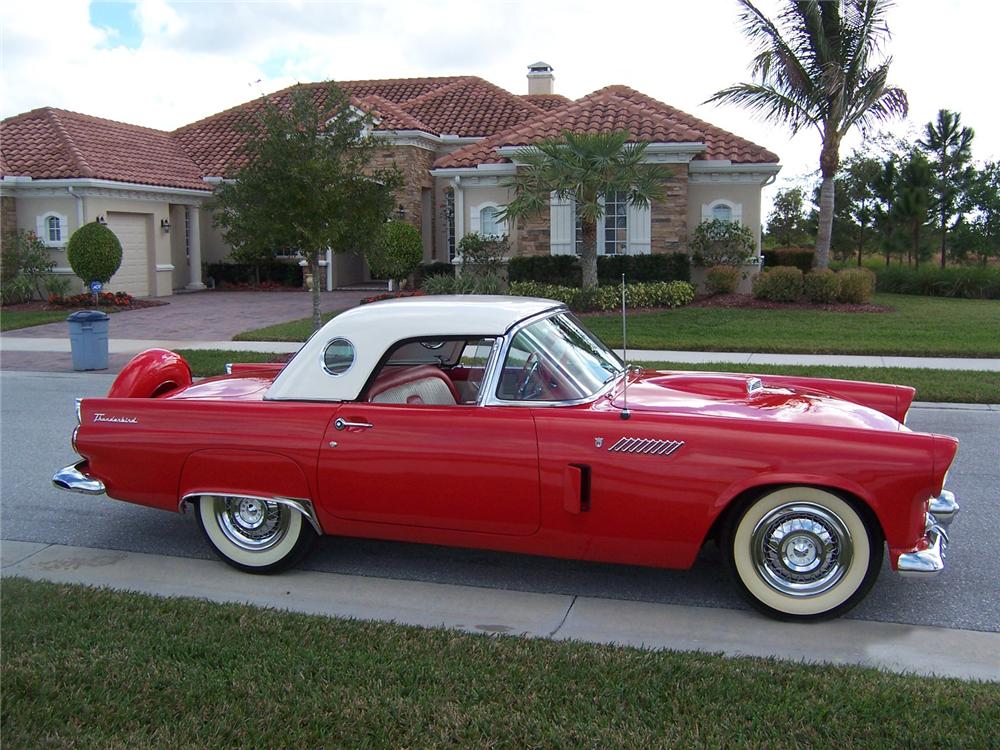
502,423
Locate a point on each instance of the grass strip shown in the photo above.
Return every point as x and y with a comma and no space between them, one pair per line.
917,326
293,330
94,668
946,386
943,386
11,320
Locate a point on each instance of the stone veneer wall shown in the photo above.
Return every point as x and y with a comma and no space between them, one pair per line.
415,164
668,221
8,213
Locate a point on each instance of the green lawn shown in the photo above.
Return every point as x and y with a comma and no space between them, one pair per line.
293,330
208,362
950,386
919,326
11,320
93,668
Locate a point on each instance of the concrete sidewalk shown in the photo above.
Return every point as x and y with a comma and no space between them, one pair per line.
893,647
37,345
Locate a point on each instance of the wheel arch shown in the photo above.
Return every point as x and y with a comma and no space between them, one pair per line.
734,501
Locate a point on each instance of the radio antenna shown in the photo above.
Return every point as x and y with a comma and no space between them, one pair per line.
625,413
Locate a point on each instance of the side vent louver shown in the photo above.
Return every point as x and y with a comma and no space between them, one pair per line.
647,446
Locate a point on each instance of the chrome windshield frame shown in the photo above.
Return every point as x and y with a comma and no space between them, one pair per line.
488,395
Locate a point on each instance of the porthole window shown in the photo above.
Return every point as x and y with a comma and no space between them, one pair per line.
338,356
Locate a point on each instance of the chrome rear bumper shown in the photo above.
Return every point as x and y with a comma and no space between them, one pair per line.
74,480
930,561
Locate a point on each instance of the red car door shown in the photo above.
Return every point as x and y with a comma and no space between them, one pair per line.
465,467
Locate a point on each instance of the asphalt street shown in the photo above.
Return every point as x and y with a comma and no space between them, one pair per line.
37,419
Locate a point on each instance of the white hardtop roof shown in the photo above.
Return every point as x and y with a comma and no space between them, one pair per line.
375,327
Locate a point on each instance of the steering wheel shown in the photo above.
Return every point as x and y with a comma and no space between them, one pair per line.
528,385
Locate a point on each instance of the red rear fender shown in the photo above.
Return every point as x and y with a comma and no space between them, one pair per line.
152,373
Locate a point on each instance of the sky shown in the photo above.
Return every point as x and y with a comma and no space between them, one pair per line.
165,64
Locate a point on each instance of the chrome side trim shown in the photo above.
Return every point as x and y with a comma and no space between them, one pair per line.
944,507
927,562
301,504
229,368
72,479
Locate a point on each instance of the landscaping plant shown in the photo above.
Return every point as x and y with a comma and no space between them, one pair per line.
779,284
821,286
24,267
722,279
396,252
94,253
716,242
857,286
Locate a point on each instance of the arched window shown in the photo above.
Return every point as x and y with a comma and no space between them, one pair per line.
52,229
488,223
722,212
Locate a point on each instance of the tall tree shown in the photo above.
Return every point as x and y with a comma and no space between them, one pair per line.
860,175
985,203
913,201
786,224
585,167
307,183
949,145
819,64
885,188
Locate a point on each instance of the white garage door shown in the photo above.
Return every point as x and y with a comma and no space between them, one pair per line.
133,274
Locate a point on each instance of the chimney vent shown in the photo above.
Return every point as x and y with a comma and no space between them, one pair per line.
540,78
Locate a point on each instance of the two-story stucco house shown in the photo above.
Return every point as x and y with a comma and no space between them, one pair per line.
453,138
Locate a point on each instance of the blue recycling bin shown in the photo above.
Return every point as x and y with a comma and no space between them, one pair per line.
88,337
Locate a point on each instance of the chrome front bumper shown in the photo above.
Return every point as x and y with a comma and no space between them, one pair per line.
930,561
74,480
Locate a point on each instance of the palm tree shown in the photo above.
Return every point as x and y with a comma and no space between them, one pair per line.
951,147
585,167
818,65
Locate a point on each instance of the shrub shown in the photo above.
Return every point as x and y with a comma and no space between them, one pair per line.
545,269
438,285
430,270
779,284
647,294
857,285
966,282
94,253
104,299
800,257
56,286
281,273
24,267
722,279
396,252
637,268
821,286
721,243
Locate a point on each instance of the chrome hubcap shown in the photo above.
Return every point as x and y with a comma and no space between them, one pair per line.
251,523
801,549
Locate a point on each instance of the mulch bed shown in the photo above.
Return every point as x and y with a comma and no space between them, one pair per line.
746,301
41,306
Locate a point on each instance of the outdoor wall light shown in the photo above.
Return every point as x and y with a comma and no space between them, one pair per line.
165,225
401,212
102,221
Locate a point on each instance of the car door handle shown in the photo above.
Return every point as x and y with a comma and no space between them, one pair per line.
343,424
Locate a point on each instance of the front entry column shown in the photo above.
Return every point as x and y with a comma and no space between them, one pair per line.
194,248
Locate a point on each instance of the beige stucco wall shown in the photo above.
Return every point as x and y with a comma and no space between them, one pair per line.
477,198
705,193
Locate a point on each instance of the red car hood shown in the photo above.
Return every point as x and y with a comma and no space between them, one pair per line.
726,395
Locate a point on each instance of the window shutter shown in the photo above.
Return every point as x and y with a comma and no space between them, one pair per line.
562,225
639,238
474,220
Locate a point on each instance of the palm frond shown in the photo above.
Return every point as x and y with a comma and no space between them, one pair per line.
768,103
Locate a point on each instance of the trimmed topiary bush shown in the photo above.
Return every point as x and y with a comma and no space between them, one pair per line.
396,252
779,284
603,298
800,257
821,286
722,279
94,253
857,285
721,243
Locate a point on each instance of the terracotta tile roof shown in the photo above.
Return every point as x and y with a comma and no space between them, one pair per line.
215,142
614,108
389,116
548,102
470,107
52,143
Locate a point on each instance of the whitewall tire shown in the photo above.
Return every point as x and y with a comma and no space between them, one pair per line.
802,553
254,534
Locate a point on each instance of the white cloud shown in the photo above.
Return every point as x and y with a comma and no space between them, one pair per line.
199,58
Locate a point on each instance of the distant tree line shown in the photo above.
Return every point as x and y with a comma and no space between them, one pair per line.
907,201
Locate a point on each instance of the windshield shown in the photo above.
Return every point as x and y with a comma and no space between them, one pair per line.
556,359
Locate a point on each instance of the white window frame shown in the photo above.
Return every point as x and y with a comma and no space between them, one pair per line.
42,229
638,226
736,210
476,218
